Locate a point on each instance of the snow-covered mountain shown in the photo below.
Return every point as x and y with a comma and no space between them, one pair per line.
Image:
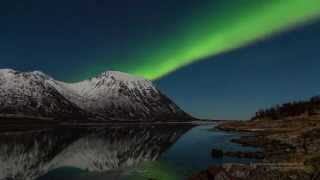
29,94
111,96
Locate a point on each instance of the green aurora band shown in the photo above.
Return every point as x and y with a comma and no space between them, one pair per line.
210,31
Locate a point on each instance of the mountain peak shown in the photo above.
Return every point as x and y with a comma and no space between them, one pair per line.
121,76
39,73
12,72
7,71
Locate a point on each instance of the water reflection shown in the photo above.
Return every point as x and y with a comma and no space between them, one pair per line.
29,155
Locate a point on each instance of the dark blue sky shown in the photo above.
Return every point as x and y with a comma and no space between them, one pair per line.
234,85
65,37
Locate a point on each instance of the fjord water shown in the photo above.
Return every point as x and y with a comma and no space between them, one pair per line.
117,152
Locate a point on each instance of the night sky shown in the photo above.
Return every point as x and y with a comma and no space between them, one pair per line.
215,58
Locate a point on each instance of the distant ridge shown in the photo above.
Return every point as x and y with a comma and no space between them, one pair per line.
310,107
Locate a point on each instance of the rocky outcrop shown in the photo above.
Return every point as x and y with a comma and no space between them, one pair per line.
250,172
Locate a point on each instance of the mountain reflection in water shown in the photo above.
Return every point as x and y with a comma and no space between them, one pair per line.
30,155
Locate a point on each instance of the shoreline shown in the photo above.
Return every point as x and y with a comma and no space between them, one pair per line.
31,125
291,149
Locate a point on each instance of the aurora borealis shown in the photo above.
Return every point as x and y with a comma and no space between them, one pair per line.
212,33
175,43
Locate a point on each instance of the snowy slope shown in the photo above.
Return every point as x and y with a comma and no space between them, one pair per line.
30,94
120,96
111,95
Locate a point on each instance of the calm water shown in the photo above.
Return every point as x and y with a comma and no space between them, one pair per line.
119,152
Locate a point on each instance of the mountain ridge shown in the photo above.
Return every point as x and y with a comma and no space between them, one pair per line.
112,95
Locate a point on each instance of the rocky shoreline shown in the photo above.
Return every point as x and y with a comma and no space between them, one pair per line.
290,150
